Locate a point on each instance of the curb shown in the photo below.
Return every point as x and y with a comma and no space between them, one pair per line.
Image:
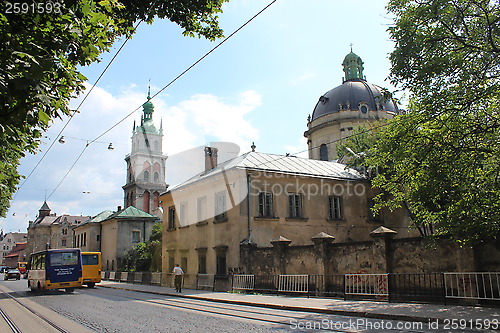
363,314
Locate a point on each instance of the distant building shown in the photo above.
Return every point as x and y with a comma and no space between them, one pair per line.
340,110
114,233
8,241
51,231
145,165
17,254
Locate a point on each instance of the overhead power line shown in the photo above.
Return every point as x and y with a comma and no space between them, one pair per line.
76,110
161,90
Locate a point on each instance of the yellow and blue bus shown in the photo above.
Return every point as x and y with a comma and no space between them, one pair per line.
91,263
55,269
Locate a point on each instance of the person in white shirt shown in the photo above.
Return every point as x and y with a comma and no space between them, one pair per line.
178,273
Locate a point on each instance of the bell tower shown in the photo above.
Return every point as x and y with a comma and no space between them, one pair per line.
145,164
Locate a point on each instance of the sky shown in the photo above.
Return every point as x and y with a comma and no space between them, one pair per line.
259,86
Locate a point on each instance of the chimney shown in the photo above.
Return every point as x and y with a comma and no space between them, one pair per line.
118,208
210,158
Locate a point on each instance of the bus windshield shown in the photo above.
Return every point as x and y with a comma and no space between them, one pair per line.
64,258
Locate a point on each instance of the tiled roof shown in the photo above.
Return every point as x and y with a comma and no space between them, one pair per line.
100,217
47,220
72,220
280,164
130,212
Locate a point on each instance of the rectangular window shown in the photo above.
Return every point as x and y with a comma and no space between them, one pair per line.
295,205
266,204
171,217
63,242
184,264
183,214
334,209
221,264
201,209
136,236
64,258
220,206
202,264
171,263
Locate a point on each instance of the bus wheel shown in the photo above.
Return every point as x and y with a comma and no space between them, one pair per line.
91,284
69,290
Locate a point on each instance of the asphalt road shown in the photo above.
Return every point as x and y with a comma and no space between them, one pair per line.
110,310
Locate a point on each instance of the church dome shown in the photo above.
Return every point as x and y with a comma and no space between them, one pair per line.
355,94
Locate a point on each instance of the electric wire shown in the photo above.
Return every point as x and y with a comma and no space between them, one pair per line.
78,108
161,90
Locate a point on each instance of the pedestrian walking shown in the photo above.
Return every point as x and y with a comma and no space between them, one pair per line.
178,273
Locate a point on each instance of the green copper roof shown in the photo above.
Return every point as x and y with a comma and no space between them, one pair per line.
130,212
353,67
148,108
45,206
100,217
147,125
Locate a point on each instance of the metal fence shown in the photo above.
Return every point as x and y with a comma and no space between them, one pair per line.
483,287
296,283
392,287
243,282
366,284
205,281
474,285
423,287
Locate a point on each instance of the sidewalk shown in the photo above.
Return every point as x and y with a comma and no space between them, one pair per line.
368,309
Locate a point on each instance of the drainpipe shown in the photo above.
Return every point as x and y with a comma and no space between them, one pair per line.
248,209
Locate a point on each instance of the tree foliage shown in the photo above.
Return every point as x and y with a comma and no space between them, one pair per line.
41,51
441,160
145,256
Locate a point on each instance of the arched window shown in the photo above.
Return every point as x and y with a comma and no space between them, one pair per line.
146,176
146,203
323,152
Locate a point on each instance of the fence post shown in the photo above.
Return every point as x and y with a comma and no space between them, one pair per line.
389,285
343,289
307,283
443,282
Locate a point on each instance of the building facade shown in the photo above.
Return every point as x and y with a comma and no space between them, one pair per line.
145,164
8,241
114,233
50,231
257,199
340,110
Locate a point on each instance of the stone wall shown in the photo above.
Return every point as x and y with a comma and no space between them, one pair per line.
380,255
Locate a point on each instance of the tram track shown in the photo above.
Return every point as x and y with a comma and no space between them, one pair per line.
244,312
9,322
25,313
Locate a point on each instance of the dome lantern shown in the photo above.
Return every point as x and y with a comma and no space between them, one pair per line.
353,67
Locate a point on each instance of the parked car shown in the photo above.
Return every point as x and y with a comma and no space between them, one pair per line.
3,269
12,273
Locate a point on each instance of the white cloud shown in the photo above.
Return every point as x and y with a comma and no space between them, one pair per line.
207,116
101,171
